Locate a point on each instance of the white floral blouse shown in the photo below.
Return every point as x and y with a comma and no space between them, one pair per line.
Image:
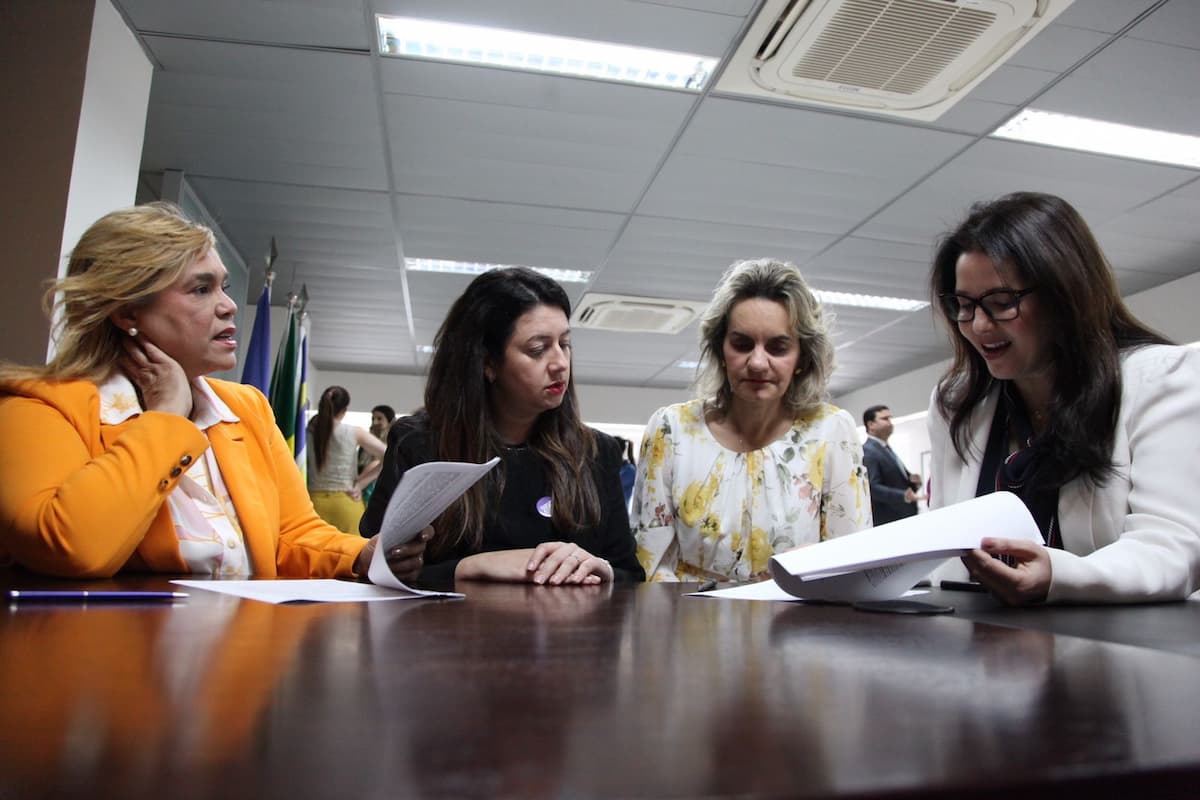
703,511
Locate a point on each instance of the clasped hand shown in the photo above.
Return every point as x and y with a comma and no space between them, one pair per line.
558,563
550,564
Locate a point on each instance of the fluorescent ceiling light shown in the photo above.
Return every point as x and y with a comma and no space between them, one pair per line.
472,268
687,364
410,37
1097,136
869,301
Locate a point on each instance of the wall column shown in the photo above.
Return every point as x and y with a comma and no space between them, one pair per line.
74,89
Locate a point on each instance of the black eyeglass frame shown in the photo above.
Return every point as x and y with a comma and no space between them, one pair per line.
977,302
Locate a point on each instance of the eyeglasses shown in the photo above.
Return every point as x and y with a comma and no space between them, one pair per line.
998,304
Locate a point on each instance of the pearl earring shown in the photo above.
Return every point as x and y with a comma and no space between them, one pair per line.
132,331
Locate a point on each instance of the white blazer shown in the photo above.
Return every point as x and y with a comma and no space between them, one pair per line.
1137,537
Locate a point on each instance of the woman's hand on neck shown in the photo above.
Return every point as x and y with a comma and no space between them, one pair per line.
161,383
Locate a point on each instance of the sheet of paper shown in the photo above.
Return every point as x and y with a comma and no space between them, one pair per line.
424,492
769,590
881,563
316,590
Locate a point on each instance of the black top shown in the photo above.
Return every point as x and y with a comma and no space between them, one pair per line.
1018,472
514,522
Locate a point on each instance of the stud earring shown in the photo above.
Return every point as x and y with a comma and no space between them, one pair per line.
132,331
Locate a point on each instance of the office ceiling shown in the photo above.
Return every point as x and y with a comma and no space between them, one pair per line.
287,123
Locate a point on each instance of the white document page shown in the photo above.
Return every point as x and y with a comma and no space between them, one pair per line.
882,563
768,590
317,590
424,492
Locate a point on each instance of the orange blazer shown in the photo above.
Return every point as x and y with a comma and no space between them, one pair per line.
87,500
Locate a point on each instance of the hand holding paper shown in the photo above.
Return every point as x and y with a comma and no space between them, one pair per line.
424,492
884,562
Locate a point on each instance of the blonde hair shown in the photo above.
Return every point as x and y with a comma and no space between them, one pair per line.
782,282
125,258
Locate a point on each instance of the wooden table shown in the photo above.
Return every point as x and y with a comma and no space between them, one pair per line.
532,692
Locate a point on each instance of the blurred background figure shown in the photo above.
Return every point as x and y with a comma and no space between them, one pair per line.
628,467
382,418
334,481
894,490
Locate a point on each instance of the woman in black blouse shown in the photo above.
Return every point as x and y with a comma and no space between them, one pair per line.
553,511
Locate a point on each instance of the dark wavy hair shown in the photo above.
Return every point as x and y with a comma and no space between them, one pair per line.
334,401
459,400
1042,240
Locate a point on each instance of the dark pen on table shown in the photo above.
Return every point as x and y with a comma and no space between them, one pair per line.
708,585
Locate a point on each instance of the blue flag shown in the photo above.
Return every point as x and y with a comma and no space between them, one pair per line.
257,369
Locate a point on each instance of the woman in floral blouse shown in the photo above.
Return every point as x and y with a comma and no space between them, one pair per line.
760,463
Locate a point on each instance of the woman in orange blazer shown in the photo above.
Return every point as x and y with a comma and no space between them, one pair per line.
119,455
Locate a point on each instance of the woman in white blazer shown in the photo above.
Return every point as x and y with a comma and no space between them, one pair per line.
1059,394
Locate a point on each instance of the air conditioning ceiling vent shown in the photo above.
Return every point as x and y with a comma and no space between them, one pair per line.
613,312
911,58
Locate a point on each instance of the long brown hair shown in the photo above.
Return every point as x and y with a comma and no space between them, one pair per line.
334,401
1085,326
458,399
123,259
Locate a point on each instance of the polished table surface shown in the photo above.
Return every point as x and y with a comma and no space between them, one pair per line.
532,692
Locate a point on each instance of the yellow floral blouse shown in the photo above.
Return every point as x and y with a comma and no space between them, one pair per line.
702,511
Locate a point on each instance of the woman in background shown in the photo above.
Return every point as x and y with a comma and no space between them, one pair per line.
500,384
1059,394
382,417
334,481
760,463
628,470
120,456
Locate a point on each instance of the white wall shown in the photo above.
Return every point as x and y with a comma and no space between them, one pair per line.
1171,309
112,123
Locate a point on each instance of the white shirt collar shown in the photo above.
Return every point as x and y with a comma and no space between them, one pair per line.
119,402
876,438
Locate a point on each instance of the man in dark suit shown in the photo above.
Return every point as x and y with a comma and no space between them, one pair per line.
893,488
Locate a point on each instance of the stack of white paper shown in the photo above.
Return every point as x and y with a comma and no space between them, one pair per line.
885,562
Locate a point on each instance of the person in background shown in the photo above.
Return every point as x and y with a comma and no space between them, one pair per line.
893,488
500,384
120,456
628,467
334,482
760,463
382,418
1058,394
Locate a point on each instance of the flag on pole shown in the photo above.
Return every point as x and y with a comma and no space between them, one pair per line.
285,380
257,369
302,400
